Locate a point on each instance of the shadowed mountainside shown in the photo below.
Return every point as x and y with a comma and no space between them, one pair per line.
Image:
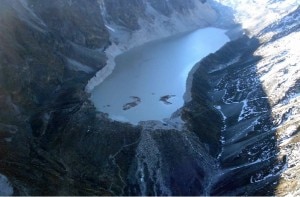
248,162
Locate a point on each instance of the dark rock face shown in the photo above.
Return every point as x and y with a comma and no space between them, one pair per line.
76,21
53,142
249,144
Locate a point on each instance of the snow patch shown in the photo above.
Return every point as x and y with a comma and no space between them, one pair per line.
219,108
77,66
223,66
245,106
110,28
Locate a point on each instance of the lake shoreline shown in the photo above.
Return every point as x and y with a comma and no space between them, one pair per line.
158,73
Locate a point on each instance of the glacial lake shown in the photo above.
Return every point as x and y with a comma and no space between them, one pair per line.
149,81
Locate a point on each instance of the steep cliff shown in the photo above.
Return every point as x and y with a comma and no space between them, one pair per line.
241,131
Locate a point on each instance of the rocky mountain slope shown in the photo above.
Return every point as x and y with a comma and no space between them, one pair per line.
241,131
52,139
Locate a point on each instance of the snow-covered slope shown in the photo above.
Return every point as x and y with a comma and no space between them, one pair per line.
276,74
257,14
